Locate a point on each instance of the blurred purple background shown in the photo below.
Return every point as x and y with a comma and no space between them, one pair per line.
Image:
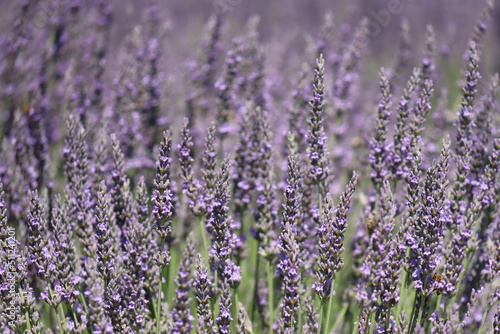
294,19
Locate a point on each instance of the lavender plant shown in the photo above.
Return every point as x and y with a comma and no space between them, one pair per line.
117,216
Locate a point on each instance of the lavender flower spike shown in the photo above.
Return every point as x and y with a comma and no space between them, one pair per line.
224,319
318,164
377,287
37,238
466,109
378,147
331,239
220,222
203,285
292,208
186,160
427,231
181,314
190,185
401,129
225,88
290,267
325,271
244,325
429,59
162,195
340,223
209,163
266,216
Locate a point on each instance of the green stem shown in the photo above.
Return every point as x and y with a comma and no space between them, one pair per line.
425,310
330,302
445,307
239,260
356,323
256,283
216,280
340,317
415,313
404,289
60,314
388,319
203,232
321,312
356,315
158,303
270,292
74,315
438,303
367,325
234,310
82,300
159,297
404,293
213,300
423,303
236,301
27,315
56,311
299,320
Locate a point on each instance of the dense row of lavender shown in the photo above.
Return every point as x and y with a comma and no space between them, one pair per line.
239,196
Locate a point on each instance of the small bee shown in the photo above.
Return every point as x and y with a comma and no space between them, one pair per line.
372,222
438,278
26,108
357,142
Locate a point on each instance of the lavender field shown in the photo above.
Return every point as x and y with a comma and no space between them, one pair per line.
247,167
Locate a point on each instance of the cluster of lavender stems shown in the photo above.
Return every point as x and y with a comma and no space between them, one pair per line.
249,192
